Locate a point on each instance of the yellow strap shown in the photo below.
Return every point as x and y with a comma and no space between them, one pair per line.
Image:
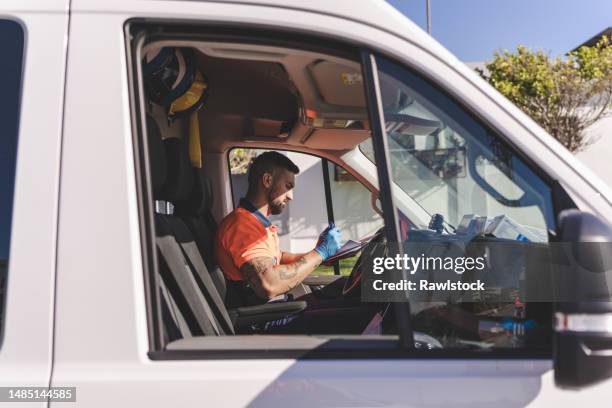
191,97
195,149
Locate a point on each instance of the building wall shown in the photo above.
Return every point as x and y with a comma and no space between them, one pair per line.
598,155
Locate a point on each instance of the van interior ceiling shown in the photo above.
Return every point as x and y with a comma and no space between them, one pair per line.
269,95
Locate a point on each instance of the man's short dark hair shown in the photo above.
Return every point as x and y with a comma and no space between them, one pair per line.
268,162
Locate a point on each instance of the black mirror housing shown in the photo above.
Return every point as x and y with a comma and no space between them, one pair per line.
582,346
591,250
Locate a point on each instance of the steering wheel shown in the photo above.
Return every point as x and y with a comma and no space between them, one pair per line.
375,245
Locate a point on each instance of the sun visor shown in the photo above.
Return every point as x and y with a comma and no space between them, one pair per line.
335,139
265,128
410,125
338,84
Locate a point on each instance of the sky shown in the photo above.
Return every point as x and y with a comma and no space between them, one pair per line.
474,29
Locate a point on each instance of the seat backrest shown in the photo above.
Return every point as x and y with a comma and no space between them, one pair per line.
190,303
177,189
184,273
197,214
173,323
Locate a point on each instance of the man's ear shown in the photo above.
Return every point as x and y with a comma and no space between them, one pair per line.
267,180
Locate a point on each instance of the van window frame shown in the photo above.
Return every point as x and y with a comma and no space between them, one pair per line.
137,31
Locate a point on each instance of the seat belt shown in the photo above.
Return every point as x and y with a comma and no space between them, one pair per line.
182,275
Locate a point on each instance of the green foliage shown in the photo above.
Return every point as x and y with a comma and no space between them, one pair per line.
564,95
346,266
240,158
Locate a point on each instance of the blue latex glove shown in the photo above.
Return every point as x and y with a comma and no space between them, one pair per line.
322,235
329,242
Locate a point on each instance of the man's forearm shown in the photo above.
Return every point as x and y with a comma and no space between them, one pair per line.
269,280
293,273
289,258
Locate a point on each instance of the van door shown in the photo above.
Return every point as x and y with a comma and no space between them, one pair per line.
477,187
102,339
32,71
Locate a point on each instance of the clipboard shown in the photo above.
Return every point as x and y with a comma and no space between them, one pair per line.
349,249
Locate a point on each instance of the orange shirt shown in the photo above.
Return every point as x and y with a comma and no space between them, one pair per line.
243,235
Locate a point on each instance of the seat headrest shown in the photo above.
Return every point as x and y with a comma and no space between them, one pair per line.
200,200
179,178
157,156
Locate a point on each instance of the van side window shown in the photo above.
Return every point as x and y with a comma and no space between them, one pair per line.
475,188
351,204
11,47
450,164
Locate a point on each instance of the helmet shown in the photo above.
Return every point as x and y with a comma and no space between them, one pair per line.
172,81
156,59
190,101
168,74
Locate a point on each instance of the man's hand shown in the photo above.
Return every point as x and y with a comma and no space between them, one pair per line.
322,234
329,242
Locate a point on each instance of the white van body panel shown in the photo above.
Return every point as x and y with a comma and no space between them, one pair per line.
22,7
101,337
27,332
100,300
100,341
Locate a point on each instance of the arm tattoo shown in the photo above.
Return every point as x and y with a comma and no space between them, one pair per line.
286,272
261,273
253,269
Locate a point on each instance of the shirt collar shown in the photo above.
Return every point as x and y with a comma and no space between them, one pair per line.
247,205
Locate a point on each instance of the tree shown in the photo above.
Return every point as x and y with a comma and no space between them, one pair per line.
240,159
564,95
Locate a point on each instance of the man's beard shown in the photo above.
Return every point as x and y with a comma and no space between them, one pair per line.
275,207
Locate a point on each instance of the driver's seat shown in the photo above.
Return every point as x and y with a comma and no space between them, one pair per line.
191,301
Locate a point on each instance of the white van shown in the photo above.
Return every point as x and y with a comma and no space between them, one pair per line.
110,287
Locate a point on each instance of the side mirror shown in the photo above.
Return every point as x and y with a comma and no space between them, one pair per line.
582,345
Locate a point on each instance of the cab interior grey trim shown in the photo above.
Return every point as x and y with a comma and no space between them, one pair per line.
280,342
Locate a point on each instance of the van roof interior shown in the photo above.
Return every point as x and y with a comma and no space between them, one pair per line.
269,96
